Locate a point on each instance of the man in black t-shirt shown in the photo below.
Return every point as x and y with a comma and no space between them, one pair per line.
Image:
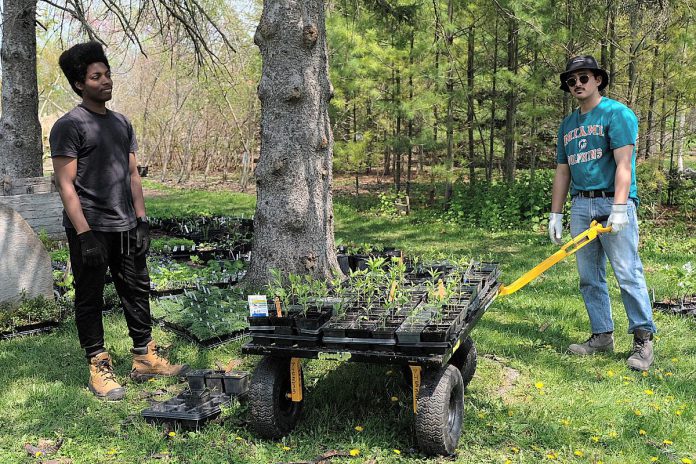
93,151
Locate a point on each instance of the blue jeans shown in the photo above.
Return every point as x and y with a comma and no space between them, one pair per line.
622,251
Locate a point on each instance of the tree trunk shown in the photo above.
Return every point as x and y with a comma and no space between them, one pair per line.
511,113
21,149
449,163
494,96
647,148
470,104
294,219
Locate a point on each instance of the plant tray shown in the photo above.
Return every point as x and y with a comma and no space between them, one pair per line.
30,329
211,342
684,307
208,392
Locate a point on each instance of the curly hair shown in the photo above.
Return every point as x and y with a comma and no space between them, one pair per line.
75,60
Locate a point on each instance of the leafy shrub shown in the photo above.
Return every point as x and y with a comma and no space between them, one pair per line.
499,205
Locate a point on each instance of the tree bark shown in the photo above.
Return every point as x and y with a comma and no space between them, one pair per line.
494,96
470,104
647,148
449,85
20,131
294,220
511,113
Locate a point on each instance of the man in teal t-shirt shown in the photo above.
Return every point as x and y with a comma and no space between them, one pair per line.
596,156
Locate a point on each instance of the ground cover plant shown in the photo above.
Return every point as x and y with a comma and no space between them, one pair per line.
27,311
529,401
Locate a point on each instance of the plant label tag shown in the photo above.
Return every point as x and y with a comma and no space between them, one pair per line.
258,305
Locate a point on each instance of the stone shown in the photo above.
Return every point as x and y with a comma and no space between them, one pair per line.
25,265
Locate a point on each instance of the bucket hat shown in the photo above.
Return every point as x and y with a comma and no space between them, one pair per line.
583,62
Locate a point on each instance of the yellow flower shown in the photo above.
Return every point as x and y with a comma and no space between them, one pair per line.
579,453
355,452
645,373
653,459
678,412
595,439
668,374
674,360
552,455
686,461
610,373
648,392
38,453
112,451
286,448
481,415
396,451
395,398
507,461
565,422
515,449
539,385
637,412
172,434
667,442
642,432
613,434
239,438
359,428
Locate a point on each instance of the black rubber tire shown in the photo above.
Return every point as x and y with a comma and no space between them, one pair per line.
440,411
271,413
466,359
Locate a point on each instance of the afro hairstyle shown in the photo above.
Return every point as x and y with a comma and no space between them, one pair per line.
75,61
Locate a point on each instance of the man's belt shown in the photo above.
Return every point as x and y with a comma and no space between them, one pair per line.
595,194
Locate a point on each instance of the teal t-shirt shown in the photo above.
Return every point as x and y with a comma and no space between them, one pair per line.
586,143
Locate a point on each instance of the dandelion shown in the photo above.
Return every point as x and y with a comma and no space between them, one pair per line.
552,455
595,439
111,452
359,428
613,434
674,360
507,461
355,452
172,434
396,451
642,432
539,385
286,448
38,454
481,415
654,459
667,442
579,453
515,449
668,374
686,461
637,412
645,373
648,392
565,422
678,412
610,373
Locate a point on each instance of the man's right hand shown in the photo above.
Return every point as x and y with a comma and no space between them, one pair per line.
92,251
556,228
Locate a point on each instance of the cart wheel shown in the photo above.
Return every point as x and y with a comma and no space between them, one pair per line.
273,413
440,411
465,358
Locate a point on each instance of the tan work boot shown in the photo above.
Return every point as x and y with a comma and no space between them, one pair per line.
102,381
642,353
603,342
151,364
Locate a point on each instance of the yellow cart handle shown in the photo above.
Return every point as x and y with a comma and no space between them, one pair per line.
566,250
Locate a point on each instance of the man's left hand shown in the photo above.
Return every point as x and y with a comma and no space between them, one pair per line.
142,237
618,219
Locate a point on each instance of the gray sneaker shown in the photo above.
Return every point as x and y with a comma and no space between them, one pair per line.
603,342
642,353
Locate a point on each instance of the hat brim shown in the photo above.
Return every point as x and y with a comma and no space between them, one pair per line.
600,71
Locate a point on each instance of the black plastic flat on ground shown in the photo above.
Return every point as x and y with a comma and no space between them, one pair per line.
211,342
30,329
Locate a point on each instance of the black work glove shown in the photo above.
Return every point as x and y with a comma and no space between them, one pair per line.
142,237
92,251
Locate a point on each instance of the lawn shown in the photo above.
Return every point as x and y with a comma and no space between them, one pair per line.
529,401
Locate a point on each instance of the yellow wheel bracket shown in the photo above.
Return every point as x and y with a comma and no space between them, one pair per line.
416,382
295,380
566,250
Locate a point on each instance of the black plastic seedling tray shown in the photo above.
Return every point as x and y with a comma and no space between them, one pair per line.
209,391
211,342
30,329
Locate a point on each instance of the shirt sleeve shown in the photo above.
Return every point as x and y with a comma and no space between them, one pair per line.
64,139
561,156
623,128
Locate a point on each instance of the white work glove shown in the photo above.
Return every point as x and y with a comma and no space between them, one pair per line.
618,219
556,228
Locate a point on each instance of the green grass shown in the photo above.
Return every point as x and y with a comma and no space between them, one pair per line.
529,401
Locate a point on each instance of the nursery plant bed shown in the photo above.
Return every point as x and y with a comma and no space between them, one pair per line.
30,329
211,342
683,307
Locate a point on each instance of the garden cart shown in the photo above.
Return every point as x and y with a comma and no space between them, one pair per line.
440,369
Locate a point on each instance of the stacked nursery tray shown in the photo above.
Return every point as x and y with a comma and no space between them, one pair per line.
208,392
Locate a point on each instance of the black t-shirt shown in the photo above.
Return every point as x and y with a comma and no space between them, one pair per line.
101,143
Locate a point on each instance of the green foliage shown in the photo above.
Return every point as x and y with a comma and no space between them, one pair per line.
499,205
28,310
684,277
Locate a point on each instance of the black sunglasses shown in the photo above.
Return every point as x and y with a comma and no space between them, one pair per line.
584,79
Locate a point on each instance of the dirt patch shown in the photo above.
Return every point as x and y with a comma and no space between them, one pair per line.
509,379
